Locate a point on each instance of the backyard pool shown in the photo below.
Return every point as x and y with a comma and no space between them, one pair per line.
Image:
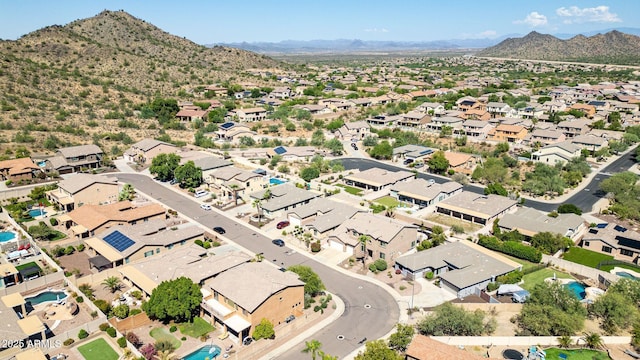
577,289
276,181
37,212
619,273
46,296
7,236
207,351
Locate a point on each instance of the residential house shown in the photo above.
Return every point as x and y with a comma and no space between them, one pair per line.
588,110
553,106
476,114
615,240
463,267
383,120
124,244
354,130
15,170
216,90
560,152
431,108
91,220
478,209
387,238
425,348
544,137
461,162
314,109
277,199
499,109
423,193
414,119
209,165
467,103
437,123
231,132
145,150
249,114
476,129
413,152
230,181
590,142
321,215
574,128
280,93
377,179
84,189
295,153
508,133
75,159
529,222
265,292
530,112
337,104
192,113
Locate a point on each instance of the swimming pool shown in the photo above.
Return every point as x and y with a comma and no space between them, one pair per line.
37,212
46,296
7,236
276,181
577,289
626,275
207,351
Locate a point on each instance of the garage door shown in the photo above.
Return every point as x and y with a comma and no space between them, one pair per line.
295,221
338,246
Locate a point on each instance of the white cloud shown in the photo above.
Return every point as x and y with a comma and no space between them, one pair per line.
488,34
534,19
574,14
376,30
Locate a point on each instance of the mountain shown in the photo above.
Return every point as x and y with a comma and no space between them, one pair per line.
611,47
101,68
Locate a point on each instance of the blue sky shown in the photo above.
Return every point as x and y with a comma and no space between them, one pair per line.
215,21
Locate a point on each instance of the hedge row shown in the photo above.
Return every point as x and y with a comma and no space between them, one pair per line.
512,248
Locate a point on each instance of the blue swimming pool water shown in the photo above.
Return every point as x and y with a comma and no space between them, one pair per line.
37,212
46,296
42,163
207,351
626,275
577,289
276,181
6,236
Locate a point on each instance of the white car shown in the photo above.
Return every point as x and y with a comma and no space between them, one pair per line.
201,193
205,207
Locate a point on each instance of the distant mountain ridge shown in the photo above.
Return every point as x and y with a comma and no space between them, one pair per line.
611,47
357,45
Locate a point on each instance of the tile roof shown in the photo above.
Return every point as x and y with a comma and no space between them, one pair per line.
93,216
80,150
78,182
425,190
483,206
425,348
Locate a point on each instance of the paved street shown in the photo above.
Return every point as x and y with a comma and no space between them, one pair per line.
370,311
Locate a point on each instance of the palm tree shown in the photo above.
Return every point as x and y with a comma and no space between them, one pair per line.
235,188
312,347
364,239
112,283
324,356
87,290
564,341
257,203
592,340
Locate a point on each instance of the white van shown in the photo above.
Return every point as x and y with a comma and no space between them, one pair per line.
201,193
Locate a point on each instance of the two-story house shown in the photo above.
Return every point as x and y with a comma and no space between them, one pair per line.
249,114
508,133
476,129
357,130
75,159
82,189
18,169
145,150
413,119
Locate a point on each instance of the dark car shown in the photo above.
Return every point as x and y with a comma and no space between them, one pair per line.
408,161
219,230
289,318
282,224
278,242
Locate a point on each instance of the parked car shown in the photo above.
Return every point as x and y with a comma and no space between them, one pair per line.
173,181
205,207
247,341
200,193
408,161
290,318
282,224
219,230
278,242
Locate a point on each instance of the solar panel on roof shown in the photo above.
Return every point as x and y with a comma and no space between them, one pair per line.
601,226
619,228
226,125
428,151
118,241
623,241
280,150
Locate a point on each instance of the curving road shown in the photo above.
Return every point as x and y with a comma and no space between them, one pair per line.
357,322
584,198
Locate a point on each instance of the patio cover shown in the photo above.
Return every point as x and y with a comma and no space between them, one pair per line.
31,325
31,354
237,323
13,300
99,262
508,289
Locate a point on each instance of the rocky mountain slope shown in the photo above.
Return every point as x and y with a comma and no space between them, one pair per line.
612,47
84,75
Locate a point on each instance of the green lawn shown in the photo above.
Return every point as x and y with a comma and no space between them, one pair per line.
585,257
351,190
98,349
579,354
197,328
608,268
388,201
27,265
537,277
162,333
526,265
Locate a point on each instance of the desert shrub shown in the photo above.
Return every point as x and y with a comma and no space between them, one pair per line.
104,326
428,275
112,332
173,328
82,334
53,221
380,264
122,342
68,342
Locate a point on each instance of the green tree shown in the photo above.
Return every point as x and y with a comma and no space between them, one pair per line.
438,163
177,300
592,340
189,175
399,340
127,192
312,283
22,152
569,209
312,347
121,311
382,151
264,330
493,170
164,165
497,189
378,350
615,311
112,283
335,146
550,243
451,320
309,173
317,138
